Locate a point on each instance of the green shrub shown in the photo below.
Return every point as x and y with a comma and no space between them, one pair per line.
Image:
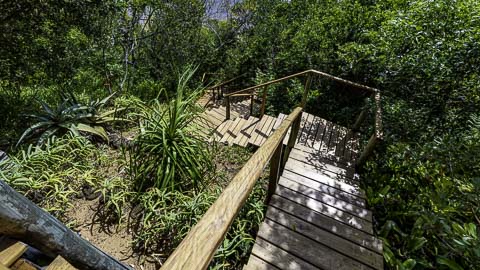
426,201
71,116
168,154
52,174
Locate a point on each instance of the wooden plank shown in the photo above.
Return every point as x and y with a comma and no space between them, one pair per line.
278,257
335,192
338,160
325,209
222,129
229,132
256,131
340,229
309,250
327,199
255,263
321,162
305,127
22,264
326,238
246,132
320,133
9,255
3,267
266,130
278,121
354,190
333,140
310,170
198,247
60,264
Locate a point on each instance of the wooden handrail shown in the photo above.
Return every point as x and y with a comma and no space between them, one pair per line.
201,243
378,132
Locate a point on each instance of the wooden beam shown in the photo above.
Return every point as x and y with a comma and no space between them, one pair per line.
306,90
227,107
201,243
275,164
25,221
264,101
368,150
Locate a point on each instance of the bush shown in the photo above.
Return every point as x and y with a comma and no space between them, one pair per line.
426,201
168,154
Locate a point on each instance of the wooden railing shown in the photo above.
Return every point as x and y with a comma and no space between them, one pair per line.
375,93
217,89
201,243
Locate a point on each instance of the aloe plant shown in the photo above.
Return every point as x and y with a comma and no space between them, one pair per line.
71,116
168,153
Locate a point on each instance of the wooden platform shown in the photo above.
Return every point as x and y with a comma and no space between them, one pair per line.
11,257
317,218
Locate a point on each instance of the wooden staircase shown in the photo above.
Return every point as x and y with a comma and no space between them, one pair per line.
244,130
317,217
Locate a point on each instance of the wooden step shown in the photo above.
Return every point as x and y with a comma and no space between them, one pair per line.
326,223
232,130
314,172
246,131
321,162
325,209
10,254
342,205
324,237
321,187
60,264
262,130
306,248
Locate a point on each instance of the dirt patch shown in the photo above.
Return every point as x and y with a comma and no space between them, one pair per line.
116,239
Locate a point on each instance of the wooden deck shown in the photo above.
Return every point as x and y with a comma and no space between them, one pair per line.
317,217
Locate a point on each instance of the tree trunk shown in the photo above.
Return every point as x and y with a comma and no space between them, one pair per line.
25,221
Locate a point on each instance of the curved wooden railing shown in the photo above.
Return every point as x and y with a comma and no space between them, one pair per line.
201,243
375,93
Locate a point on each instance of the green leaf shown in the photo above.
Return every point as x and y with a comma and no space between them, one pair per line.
450,263
96,130
409,264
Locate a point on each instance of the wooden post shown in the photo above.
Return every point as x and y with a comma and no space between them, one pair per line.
227,113
275,167
292,139
264,100
361,117
306,90
25,221
252,100
367,151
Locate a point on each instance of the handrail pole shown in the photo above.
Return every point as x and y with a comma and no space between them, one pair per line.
264,100
361,117
291,139
306,89
275,169
368,150
252,100
227,108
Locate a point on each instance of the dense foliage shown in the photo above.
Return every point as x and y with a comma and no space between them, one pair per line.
424,55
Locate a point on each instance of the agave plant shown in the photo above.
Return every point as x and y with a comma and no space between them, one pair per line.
71,116
168,153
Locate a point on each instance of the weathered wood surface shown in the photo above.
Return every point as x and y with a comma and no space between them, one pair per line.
60,264
10,254
317,217
23,220
199,246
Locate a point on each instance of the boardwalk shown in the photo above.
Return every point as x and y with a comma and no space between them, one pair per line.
317,218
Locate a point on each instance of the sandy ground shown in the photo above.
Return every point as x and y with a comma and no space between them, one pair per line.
115,240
